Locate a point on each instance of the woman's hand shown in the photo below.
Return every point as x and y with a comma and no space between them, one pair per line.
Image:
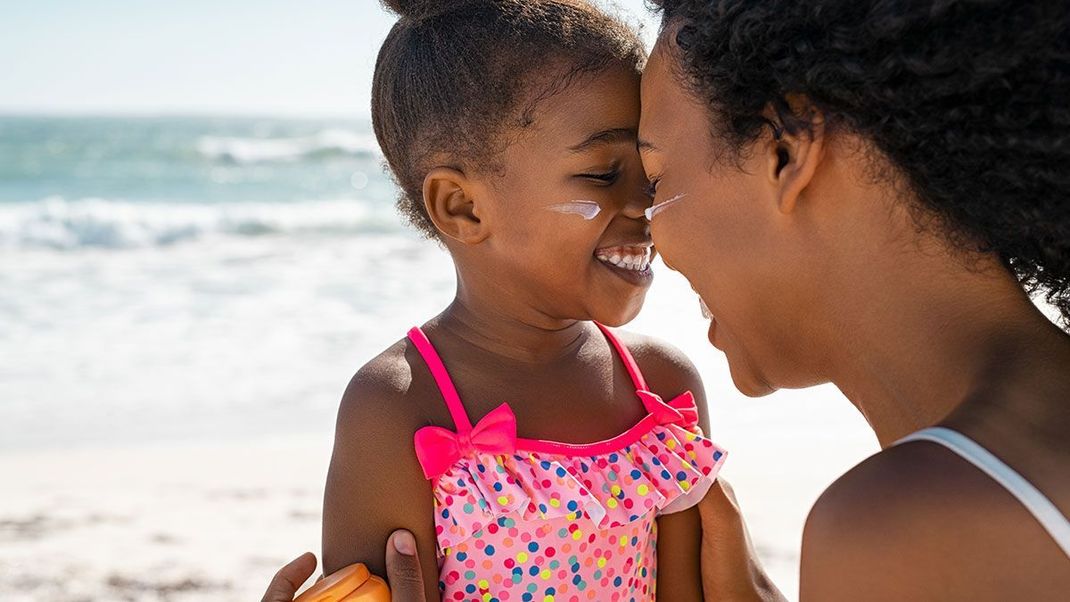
288,580
730,567
402,572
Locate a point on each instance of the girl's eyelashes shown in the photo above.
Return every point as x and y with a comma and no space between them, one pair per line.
604,178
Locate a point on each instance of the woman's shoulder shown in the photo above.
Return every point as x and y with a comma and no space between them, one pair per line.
912,520
889,491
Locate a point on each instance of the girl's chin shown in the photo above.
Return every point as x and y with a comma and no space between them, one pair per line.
617,317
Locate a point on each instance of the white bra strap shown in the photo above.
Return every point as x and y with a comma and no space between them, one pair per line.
1038,505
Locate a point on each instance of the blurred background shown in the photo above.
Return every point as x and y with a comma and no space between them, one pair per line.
198,247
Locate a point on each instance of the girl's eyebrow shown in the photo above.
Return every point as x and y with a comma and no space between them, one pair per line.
610,136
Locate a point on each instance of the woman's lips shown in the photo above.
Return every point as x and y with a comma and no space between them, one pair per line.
706,313
705,309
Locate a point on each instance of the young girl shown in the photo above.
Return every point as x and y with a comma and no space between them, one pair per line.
534,453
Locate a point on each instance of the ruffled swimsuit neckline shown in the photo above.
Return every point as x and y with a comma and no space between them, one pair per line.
659,412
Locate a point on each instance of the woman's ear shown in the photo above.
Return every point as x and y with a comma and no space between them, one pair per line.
452,206
793,159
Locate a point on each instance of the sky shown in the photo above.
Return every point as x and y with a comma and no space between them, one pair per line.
223,57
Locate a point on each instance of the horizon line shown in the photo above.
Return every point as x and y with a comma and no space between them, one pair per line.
178,114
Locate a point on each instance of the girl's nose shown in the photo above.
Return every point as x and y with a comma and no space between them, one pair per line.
637,202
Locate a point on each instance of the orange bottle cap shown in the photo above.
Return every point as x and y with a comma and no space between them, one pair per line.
337,586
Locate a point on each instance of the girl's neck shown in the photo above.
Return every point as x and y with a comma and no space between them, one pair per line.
524,336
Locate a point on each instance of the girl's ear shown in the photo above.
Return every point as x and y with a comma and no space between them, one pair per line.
453,207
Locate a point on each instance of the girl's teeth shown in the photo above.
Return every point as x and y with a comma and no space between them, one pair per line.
632,259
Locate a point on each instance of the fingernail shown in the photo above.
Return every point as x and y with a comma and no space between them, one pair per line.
405,543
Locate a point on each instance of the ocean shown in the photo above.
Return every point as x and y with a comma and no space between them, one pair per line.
191,277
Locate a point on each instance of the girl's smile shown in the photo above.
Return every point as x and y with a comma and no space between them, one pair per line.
630,262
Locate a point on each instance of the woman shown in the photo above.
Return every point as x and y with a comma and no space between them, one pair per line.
874,184
862,193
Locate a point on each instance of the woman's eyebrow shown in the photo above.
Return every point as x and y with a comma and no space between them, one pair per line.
610,136
646,145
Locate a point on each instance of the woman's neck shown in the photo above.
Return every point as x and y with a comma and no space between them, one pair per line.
937,339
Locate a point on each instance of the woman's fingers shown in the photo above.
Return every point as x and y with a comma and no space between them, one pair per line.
403,568
730,567
288,580
402,571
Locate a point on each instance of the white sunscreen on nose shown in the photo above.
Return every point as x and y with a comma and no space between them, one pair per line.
588,210
656,209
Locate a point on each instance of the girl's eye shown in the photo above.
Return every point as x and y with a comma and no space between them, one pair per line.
652,187
604,178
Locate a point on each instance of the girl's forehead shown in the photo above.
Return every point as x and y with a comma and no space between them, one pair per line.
594,104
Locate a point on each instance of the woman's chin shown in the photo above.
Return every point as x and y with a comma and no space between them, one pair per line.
747,380
751,388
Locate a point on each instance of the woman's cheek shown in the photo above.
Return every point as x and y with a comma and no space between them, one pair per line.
666,243
682,234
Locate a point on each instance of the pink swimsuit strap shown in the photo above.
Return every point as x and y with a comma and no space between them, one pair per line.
442,379
625,356
453,400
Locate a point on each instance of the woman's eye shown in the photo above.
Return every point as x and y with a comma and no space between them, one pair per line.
652,187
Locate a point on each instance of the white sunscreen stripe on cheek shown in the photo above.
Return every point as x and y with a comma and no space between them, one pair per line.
656,209
588,210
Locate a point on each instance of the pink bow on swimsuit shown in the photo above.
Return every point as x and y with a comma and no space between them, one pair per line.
681,411
438,449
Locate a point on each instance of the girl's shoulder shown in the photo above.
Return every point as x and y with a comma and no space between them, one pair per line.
657,354
667,370
389,393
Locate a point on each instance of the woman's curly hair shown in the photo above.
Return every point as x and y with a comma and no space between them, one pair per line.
968,100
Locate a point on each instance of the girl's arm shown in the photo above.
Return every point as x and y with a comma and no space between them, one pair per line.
374,484
680,535
670,373
679,554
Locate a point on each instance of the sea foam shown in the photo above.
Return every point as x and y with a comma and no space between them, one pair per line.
62,224
260,150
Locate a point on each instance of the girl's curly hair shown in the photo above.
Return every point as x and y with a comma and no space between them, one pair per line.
968,100
455,77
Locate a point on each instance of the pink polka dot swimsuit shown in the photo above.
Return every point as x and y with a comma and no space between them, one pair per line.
521,520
